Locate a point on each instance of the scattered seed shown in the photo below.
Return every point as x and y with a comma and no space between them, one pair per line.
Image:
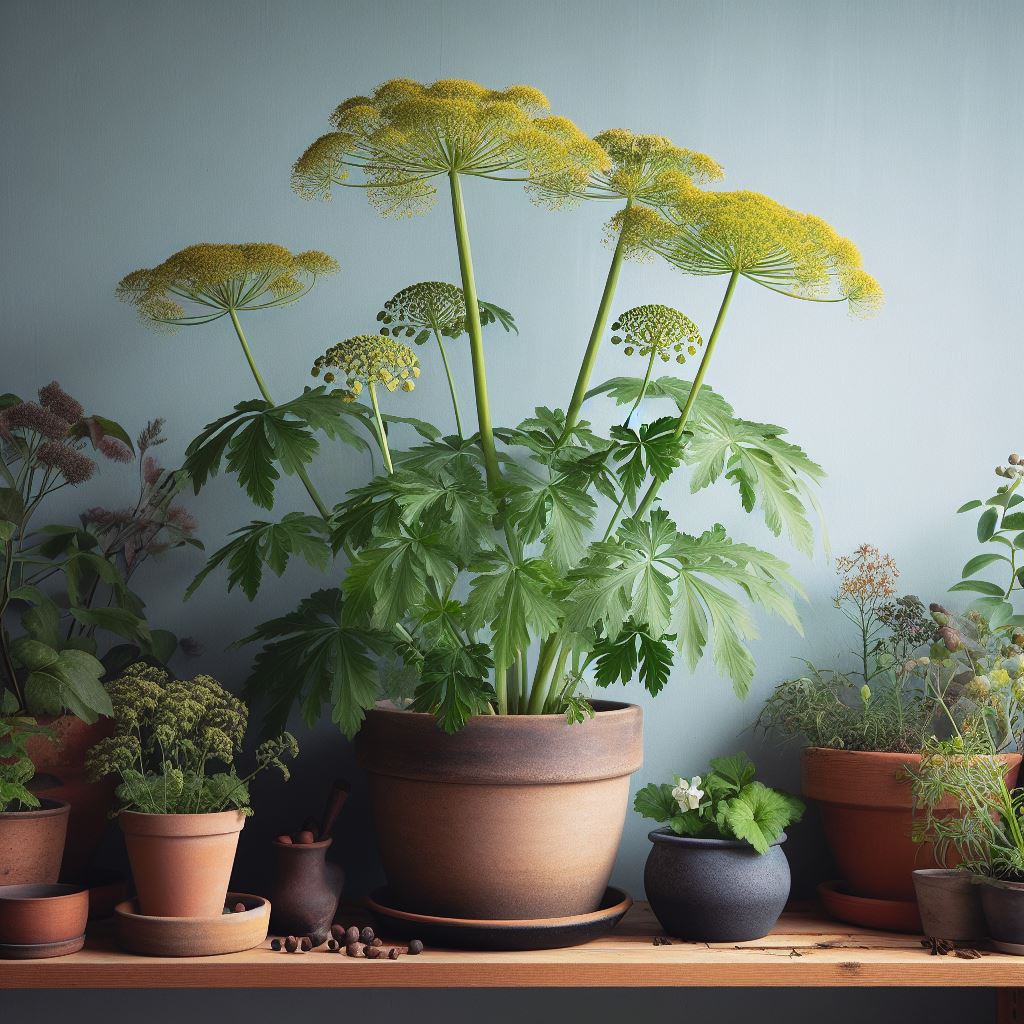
338,932
373,952
393,953
366,935
354,949
415,947
376,941
351,935
291,944
305,944
332,945
275,945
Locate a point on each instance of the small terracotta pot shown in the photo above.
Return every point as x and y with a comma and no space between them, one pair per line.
32,843
33,915
181,863
866,803
61,775
514,817
305,890
950,904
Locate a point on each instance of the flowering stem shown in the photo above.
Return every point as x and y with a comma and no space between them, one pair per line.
600,321
698,380
451,384
643,387
321,507
476,342
382,437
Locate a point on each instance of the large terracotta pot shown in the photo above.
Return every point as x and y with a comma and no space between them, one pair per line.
182,863
31,844
866,804
514,817
61,775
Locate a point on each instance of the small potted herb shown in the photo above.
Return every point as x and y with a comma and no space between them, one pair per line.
180,816
716,871
32,831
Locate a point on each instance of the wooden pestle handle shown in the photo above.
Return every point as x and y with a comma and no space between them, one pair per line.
335,802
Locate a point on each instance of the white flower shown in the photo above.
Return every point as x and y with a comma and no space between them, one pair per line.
688,796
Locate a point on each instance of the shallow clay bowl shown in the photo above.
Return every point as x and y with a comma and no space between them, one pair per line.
883,915
461,933
194,936
33,916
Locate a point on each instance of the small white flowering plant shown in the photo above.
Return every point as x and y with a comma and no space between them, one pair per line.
725,803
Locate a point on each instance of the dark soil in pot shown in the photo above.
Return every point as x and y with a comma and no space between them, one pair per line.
715,890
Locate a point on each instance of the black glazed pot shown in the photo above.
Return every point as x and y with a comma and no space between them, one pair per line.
1003,905
715,890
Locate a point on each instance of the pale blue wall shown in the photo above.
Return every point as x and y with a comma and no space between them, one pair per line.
130,129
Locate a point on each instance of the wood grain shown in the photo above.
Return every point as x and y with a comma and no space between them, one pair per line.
805,950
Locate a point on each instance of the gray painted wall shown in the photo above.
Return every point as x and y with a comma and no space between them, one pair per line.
131,129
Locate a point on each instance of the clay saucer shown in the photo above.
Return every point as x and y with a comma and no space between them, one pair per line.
883,915
38,921
460,933
194,936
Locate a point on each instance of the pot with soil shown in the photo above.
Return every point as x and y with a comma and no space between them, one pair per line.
61,775
181,863
32,843
513,817
715,890
950,904
866,804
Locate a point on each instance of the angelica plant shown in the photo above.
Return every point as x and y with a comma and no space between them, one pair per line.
479,567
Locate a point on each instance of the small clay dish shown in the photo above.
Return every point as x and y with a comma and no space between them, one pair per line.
882,915
39,921
460,933
194,936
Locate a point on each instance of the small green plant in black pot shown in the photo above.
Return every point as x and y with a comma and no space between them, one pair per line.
716,871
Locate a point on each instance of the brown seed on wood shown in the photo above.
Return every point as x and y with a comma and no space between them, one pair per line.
291,944
305,944
338,932
373,952
376,941
332,945
351,935
415,947
275,945
393,953
354,949
366,935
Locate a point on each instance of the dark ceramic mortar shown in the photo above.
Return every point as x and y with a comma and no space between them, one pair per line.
715,890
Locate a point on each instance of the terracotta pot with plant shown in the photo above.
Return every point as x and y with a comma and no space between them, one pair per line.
180,815
920,672
480,565
716,871
32,831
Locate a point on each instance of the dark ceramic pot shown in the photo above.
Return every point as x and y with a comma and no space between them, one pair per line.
715,890
950,904
305,890
1003,906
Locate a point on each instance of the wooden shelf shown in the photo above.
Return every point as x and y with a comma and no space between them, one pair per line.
805,950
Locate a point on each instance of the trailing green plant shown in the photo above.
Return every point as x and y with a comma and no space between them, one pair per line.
16,767
499,570
171,735
65,589
724,803
918,672
986,834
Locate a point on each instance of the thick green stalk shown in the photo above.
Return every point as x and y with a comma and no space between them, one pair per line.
594,344
321,507
382,437
476,337
451,384
541,678
643,387
698,380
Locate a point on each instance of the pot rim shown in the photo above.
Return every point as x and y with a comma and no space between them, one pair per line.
209,823
48,809
62,891
998,883
666,835
604,708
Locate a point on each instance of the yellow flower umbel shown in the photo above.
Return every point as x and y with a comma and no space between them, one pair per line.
370,359
204,282
407,133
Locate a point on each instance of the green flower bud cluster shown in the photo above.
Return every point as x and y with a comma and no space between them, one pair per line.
1015,468
369,359
420,308
657,331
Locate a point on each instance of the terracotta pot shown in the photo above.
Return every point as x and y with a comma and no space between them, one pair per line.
950,905
31,844
305,890
33,915
514,817
181,863
61,775
866,806
715,890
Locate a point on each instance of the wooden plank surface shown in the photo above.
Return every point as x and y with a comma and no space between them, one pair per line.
805,950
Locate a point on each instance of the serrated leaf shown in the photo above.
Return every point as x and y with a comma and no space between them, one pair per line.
758,815
656,802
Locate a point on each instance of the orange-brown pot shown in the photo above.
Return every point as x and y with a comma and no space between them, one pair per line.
31,844
866,806
513,817
181,863
61,775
